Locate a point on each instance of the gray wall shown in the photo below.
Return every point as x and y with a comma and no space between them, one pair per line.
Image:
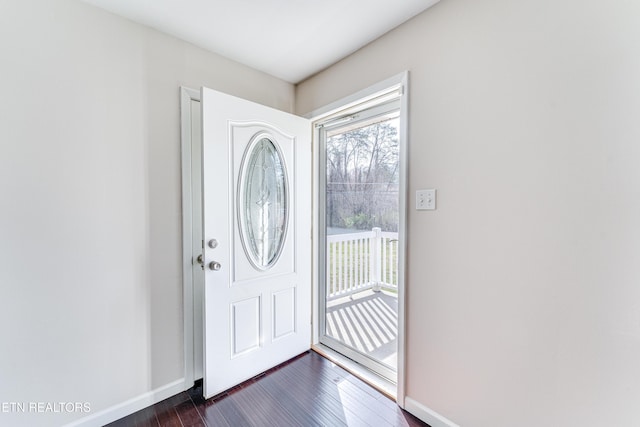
523,286
90,217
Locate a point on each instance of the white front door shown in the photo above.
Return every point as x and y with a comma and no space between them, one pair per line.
257,193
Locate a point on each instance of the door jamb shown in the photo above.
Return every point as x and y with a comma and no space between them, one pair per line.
186,96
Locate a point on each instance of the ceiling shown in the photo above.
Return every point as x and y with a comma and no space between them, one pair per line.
289,39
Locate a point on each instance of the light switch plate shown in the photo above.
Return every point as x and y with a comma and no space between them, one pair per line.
426,200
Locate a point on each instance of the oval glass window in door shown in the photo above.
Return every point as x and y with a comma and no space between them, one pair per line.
263,203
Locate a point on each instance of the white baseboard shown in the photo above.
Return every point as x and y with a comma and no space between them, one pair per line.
427,415
130,406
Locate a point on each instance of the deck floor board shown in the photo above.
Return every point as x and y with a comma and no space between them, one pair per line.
367,322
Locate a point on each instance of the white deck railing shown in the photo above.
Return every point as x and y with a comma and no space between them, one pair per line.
360,261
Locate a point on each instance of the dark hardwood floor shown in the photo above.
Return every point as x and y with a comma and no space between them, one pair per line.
305,391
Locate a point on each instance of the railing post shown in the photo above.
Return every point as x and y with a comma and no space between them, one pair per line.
375,262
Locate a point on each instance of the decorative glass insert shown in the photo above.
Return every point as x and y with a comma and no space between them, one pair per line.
263,203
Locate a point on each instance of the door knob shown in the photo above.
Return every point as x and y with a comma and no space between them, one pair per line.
199,259
215,265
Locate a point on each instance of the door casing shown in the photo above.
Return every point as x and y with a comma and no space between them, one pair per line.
371,94
193,320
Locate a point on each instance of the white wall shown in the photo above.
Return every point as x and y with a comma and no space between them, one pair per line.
90,217
524,284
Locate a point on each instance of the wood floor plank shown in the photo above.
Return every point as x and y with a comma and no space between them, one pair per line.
168,418
189,416
304,406
359,399
306,391
166,410
328,380
265,411
207,409
231,412
146,418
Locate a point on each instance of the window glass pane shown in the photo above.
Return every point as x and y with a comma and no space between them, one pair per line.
263,204
361,247
362,177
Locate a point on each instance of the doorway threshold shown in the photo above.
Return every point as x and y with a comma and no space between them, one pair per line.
381,384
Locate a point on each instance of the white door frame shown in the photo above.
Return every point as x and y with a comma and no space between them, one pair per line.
187,95
339,108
